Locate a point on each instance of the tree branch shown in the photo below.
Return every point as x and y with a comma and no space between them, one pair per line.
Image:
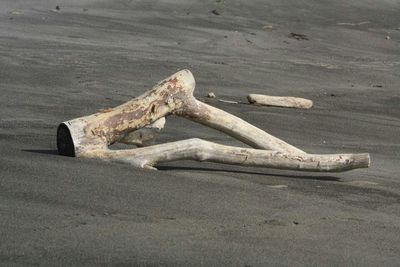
201,150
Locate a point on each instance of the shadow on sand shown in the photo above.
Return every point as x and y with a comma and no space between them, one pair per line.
42,151
307,177
177,168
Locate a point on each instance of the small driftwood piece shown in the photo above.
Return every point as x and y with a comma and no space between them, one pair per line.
140,119
280,101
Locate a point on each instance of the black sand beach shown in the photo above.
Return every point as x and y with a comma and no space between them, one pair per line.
56,65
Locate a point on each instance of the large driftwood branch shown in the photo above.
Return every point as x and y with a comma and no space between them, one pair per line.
91,135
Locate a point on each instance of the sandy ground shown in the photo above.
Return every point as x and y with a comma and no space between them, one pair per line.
93,54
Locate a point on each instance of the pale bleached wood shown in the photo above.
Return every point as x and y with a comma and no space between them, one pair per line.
174,95
235,127
105,128
200,150
280,101
144,136
91,135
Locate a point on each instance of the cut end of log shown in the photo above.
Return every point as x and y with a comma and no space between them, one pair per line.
65,143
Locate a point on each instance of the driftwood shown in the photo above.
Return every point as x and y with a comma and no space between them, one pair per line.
140,119
144,136
280,101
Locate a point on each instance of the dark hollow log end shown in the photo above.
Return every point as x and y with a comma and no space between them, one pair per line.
65,144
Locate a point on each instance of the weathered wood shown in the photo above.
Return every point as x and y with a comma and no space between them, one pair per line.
138,120
280,101
200,150
144,136
173,95
235,127
102,129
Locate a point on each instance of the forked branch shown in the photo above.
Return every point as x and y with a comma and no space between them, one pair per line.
138,120
201,150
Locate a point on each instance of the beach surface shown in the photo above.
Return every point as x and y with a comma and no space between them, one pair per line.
64,59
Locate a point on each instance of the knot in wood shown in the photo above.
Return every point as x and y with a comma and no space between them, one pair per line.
170,102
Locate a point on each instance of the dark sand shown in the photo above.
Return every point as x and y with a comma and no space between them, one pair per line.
94,54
